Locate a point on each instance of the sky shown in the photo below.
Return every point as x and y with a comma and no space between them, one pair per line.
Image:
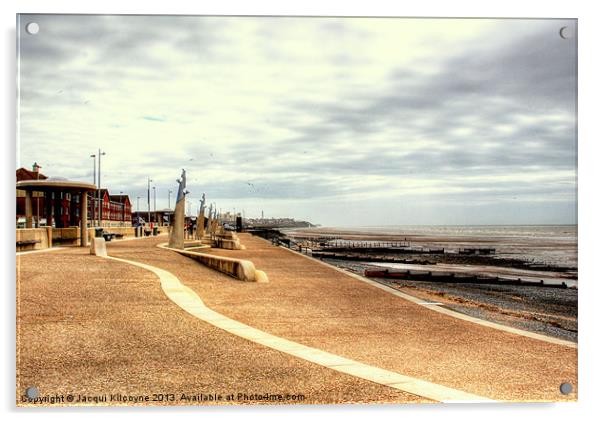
337,121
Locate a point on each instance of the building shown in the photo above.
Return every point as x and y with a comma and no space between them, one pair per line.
65,208
38,203
120,208
160,218
60,208
115,210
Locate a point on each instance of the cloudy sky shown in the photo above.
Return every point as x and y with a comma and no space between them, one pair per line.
337,121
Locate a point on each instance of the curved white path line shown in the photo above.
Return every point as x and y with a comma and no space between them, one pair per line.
443,310
188,300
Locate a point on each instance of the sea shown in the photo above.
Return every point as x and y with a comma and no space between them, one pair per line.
547,244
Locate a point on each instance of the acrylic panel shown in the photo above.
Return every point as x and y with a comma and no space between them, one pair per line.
229,210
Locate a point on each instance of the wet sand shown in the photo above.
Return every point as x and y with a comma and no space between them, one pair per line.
560,250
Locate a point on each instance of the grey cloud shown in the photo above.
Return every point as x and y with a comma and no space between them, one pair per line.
531,74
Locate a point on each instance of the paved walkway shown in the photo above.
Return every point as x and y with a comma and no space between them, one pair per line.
91,323
190,302
318,306
93,326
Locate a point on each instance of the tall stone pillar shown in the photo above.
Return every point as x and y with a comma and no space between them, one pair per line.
48,204
176,236
49,235
28,210
83,219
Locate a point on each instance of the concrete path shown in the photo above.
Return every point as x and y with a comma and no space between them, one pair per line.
189,301
320,307
87,325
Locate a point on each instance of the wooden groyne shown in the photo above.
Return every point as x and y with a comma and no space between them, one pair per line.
466,278
367,258
386,247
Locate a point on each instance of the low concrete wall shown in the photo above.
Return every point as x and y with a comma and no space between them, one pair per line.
126,232
40,235
65,236
237,268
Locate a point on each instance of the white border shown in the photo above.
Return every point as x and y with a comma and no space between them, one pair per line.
589,210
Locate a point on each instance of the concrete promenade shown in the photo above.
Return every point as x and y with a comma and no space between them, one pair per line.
92,325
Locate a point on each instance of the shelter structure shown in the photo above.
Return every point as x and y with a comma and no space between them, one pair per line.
53,189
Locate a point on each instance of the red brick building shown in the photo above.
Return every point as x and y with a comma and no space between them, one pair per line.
120,208
63,207
115,209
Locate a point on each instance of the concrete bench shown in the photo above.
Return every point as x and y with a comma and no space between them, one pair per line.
237,268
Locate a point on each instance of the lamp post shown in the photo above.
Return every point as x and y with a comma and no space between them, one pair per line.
155,201
122,207
93,156
148,197
36,168
137,210
100,154
169,192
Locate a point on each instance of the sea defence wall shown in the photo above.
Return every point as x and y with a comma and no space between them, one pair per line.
241,269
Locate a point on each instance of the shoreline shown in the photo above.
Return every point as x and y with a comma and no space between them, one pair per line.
550,311
529,246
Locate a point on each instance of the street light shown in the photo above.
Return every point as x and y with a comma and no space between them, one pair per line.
93,156
37,168
148,197
138,209
155,200
169,192
94,173
100,154
122,207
